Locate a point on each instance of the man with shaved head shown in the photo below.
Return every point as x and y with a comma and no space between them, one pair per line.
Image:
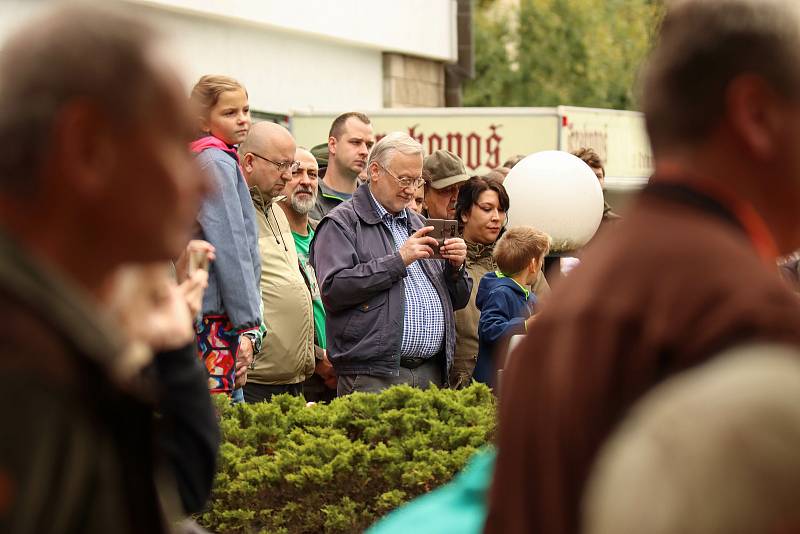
287,354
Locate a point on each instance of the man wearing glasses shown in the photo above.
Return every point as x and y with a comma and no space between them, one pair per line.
389,305
287,354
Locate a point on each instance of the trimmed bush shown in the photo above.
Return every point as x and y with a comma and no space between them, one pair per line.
337,468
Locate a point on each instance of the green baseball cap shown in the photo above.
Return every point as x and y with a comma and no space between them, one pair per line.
320,153
443,169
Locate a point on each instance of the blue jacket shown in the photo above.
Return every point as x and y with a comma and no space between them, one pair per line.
360,276
228,221
504,307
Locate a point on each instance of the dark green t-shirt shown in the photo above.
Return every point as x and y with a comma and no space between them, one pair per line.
302,244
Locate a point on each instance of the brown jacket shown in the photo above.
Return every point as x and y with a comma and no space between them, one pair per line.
674,284
76,449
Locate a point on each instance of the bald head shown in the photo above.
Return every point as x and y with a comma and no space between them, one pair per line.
264,135
267,156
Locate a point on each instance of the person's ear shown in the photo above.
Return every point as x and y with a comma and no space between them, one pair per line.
205,125
756,114
465,216
374,170
86,146
247,163
331,148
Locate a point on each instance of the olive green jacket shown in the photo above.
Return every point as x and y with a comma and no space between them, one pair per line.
479,262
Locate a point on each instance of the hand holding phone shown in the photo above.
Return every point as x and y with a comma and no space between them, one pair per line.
198,259
197,255
443,229
418,246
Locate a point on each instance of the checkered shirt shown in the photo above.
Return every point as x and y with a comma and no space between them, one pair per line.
423,320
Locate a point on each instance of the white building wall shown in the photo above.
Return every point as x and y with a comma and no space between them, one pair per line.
281,70
291,54
424,28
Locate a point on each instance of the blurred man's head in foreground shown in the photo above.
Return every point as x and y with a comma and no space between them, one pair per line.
94,127
721,97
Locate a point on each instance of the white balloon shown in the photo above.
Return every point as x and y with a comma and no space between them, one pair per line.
557,193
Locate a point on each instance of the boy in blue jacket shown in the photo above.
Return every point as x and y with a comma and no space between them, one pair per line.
504,298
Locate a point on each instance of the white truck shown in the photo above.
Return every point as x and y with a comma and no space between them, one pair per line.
486,137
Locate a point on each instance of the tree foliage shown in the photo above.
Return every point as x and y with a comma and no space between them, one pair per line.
554,52
337,468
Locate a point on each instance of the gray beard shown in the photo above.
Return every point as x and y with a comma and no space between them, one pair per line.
303,206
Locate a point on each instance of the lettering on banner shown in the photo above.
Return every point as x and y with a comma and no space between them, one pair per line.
643,162
596,139
454,144
419,137
472,147
473,159
493,147
434,143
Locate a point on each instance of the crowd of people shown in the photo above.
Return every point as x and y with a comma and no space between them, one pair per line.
325,280
158,248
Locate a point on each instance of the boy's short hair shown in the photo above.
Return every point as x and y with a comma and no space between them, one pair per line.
518,246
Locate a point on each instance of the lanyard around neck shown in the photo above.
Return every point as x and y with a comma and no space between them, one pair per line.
742,211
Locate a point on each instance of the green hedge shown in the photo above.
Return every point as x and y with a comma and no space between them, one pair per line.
337,468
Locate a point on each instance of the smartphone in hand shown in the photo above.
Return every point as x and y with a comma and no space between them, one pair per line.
442,229
198,259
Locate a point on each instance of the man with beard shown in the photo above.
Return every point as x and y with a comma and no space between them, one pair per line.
287,355
300,196
349,143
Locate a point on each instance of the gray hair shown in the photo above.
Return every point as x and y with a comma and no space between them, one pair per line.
73,53
394,142
702,46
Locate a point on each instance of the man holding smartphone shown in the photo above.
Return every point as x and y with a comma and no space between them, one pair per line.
389,305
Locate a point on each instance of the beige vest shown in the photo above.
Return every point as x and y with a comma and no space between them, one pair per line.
287,354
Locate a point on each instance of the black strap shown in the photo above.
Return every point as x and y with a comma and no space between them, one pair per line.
684,194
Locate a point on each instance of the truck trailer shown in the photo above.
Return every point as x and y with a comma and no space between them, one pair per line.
486,137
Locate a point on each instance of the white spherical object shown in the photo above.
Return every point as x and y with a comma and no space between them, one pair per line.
557,193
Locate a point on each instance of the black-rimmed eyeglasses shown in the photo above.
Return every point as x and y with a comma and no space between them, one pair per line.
284,166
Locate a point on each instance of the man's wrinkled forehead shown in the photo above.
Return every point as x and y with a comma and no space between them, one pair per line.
306,159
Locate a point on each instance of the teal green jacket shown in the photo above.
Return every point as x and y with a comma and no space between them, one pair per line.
458,507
